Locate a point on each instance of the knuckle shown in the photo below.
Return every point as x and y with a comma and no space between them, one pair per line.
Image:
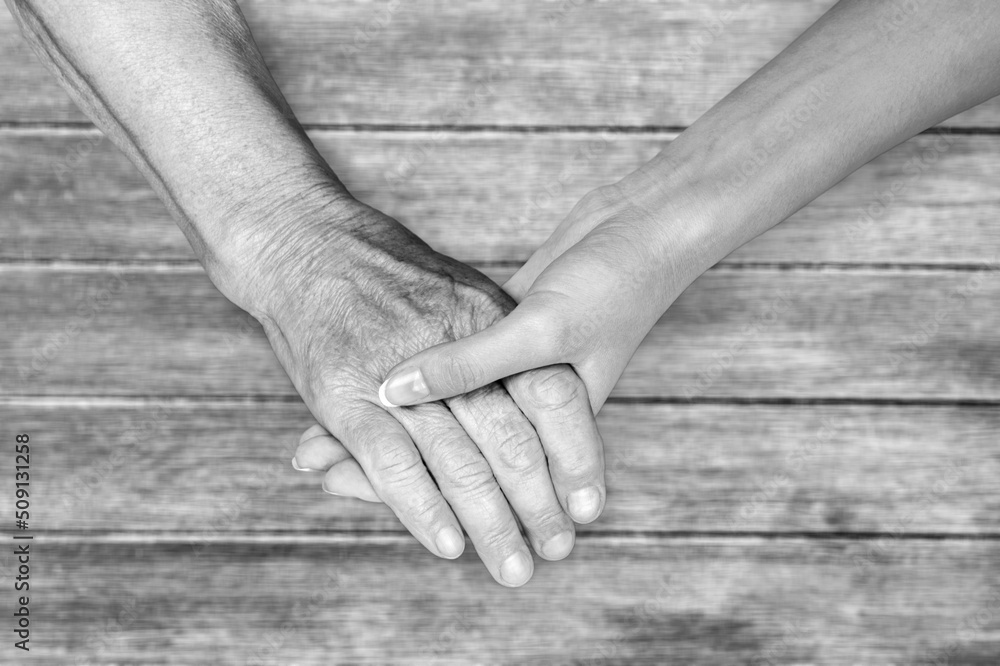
597,201
398,464
397,479
488,304
516,446
579,471
554,389
499,537
332,384
467,470
548,520
423,510
580,466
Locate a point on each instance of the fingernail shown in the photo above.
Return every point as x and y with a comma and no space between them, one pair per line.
584,504
330,492
295,465
403,389
450,543
516,569
558,546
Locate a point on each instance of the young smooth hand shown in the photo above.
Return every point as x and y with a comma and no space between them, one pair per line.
588,297
786,135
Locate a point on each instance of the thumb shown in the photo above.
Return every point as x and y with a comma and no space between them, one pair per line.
523,340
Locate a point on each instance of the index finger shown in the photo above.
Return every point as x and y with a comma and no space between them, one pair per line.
396,471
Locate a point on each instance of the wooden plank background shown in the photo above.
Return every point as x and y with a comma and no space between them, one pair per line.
827,495
488,196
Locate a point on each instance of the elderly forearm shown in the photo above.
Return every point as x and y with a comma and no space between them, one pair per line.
181,88
867,76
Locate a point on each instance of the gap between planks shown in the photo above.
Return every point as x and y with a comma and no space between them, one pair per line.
223,401
16,126
611,537
193,266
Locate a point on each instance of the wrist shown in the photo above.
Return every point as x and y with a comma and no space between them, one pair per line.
268,241
688,227
717,186
757,157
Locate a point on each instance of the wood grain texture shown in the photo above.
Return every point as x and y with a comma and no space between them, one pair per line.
761,334
617,601
172,529
559,63
490,196
225,469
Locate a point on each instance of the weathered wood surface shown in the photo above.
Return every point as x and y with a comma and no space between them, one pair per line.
172,529
488,196
149,466
615,601
761,334
560,63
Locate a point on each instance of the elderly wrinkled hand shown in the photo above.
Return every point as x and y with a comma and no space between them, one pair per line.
344,307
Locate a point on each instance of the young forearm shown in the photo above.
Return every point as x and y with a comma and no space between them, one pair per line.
181,88
844,92
863,79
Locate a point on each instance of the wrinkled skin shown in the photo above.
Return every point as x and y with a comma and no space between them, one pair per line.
594,289
353,299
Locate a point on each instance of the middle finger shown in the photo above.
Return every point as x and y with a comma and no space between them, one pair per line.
514,452
467,482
